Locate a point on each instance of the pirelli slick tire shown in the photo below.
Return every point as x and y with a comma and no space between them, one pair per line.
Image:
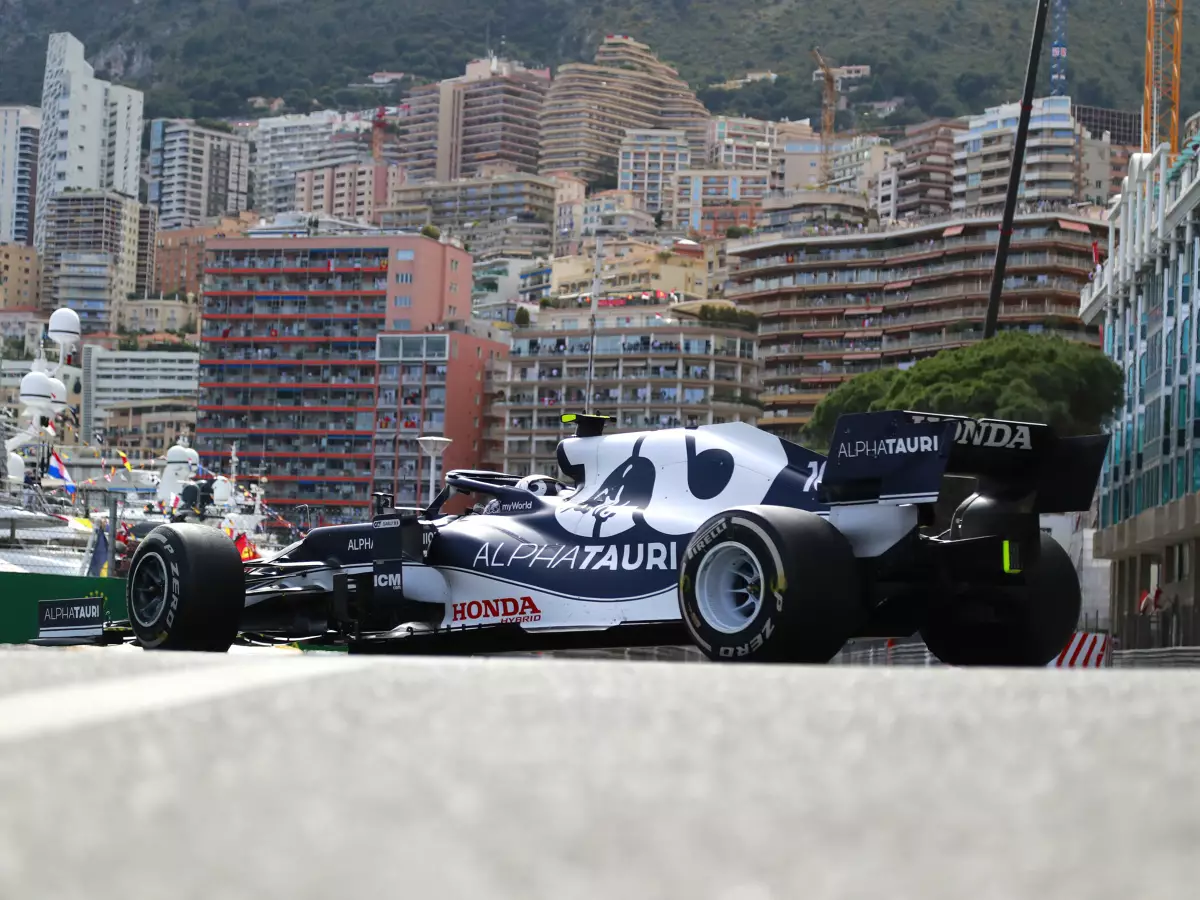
1019,626
770,584
186,589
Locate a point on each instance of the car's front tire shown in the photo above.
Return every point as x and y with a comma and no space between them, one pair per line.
186,589
770,584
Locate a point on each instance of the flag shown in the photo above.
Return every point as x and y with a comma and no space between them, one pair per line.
1096,252
125,460
58,469
98,567
246,547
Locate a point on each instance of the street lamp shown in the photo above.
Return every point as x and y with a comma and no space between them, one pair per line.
435,447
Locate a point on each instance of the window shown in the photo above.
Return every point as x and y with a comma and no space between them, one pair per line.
403,325
402,301
454,287
405,255
454,265
404,278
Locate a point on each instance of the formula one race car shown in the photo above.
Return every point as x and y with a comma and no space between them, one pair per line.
749,546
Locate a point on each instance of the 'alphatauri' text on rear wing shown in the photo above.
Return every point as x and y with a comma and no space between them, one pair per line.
902,457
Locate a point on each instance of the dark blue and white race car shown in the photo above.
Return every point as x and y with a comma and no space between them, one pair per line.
749,546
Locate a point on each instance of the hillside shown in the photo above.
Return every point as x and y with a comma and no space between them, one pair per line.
205,57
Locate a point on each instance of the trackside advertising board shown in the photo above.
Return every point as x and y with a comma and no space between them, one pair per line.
56,603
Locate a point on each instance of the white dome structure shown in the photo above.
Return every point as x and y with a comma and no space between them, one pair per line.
37,392
64,327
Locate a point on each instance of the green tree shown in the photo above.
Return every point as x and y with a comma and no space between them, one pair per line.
432,231
521,318
1019,376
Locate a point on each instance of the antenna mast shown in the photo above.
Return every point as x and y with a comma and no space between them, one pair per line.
597,287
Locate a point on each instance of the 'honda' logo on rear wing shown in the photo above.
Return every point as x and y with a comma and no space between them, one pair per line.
986,432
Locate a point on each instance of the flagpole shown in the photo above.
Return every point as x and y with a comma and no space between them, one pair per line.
597,286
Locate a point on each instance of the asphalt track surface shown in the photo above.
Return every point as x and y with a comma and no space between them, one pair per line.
255,775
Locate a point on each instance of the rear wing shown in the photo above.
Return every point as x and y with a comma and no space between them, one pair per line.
904,457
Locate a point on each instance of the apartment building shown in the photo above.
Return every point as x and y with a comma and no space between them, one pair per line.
836,303
429,384
196,173
615,213
1057,168
288,367
569,196
145,429
91,137
147,246
649,159
487,116
353,188
1145,302
798,166
179,253
654,368
119,378
857,162
812,212
632,268
918,178
516,238
456,204
20,277
284,144
590,107
736,142
90,263
702,200
20,130
156,315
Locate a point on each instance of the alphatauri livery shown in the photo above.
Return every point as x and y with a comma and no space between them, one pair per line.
749,546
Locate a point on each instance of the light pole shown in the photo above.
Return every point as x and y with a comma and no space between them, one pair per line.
435,447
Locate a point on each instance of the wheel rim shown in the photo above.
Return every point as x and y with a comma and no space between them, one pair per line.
729,587
148,590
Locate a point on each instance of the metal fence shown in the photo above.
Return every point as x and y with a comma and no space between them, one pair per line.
42,536
1179,627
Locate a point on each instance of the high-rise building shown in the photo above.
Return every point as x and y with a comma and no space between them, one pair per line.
709,201
832,304
736,142
487,116
1145,301
91,137
429,384
196,173
179,253
20,277
857,162
654,368
284,144
649,159
146,246
288,366
918,178
353,188
590,107
113,378
91,259
1062,159
20,128
455,205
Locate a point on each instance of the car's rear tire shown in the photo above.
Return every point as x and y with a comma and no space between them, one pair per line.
1019,626
770,584
186,589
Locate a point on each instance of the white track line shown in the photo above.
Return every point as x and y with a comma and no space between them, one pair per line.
58,709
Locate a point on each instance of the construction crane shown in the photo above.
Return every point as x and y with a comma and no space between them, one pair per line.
828,117
1160,103
1058,51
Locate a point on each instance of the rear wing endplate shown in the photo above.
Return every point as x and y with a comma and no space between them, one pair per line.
903,456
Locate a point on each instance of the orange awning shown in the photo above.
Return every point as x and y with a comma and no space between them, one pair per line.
1073,226
897,285
952,231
